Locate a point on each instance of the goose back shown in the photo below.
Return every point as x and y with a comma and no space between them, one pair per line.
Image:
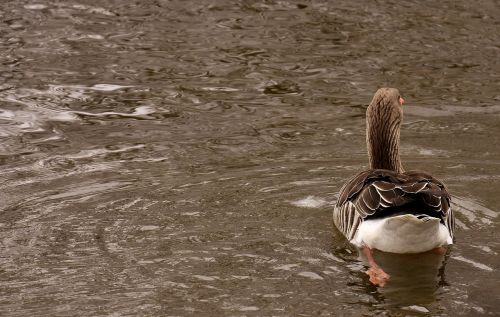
380,193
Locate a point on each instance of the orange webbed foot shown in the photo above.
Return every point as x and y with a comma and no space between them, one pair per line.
377,276
439,250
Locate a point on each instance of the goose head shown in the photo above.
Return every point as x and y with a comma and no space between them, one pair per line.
383,122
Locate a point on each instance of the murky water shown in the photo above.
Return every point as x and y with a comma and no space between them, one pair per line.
181,158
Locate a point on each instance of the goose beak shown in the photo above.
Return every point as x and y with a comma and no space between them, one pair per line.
401,101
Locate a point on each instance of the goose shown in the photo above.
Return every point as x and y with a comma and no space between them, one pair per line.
385,207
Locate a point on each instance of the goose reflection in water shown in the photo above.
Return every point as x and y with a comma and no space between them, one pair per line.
415,278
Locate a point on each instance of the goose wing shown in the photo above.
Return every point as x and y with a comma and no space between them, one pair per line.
378,193
435,197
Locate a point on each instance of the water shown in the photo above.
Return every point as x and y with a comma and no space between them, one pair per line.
181,158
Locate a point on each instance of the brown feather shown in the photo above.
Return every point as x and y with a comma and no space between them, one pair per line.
381,185
414,188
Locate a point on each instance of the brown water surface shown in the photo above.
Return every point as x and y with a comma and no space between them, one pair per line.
181,158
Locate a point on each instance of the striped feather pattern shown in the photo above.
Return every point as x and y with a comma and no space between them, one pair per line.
379,193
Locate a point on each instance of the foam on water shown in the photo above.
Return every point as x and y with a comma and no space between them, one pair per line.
473,263
310,202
